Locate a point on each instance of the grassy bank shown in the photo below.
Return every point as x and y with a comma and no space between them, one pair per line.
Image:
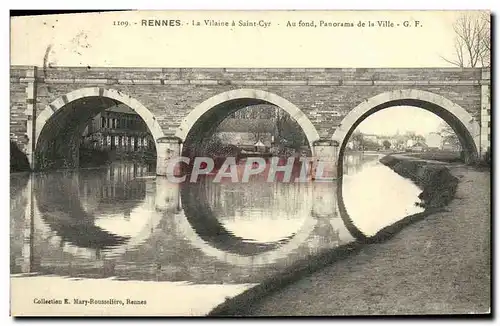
422,264
440,265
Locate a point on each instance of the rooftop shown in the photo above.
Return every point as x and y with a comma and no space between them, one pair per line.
121,108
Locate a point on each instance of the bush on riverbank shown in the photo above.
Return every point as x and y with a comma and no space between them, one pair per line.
389,161
18,160
443,156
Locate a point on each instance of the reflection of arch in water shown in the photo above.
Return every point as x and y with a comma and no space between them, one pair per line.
21,226
356,162
58,200
202,218
398,204
102,191
48,232
464,125
46,229
344,215
138,239
164,201
202,229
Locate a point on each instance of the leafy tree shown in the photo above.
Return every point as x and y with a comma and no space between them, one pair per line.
449,135
357,138
288,130
386,144
370,145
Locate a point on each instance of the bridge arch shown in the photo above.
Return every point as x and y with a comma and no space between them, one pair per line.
60,113
465,126
218,107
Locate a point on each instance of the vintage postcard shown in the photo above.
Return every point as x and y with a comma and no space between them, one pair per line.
250,163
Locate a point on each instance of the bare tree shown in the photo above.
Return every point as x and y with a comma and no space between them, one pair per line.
472,40
486,39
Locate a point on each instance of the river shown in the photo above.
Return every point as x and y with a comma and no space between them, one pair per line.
121,227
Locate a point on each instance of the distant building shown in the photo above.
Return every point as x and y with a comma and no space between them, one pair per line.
118,129
370,137
260,147
451,145
418,147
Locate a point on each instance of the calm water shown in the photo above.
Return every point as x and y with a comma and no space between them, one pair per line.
122,222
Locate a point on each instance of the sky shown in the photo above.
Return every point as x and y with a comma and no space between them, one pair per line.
94,39
400,118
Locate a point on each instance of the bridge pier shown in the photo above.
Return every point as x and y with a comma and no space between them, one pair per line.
325,213
30,113
167,196
485,137
166,149
324,200
325,155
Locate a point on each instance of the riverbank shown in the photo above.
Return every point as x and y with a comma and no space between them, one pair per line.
443,156
437,265
438,184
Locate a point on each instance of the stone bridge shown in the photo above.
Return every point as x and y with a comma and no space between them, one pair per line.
50,107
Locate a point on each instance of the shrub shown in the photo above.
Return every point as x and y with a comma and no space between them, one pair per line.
18,160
